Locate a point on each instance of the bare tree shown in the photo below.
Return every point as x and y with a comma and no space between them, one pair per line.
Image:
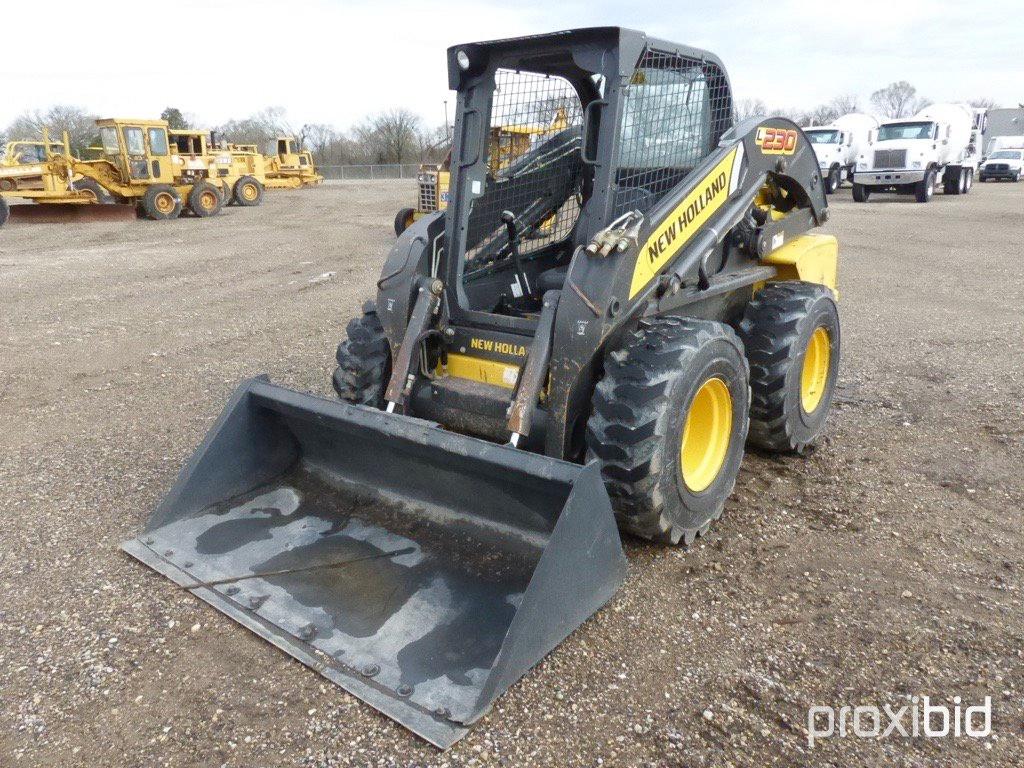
79,124
845,104
898,99
318,138
258,129
434,143
984,103
390,137
823,114
747,108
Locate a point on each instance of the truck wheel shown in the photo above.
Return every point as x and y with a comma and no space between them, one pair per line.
668,425
403,220
94,191
925,188
861,194
968,180
953,181
204,200
791,333
364,361
5,211
834,180
160,202
248,191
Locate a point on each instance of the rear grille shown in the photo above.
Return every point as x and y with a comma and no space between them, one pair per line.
890,158
428,197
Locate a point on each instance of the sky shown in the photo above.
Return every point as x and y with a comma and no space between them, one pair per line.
334,62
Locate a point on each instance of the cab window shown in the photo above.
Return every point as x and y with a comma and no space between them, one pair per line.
108,137
133,139
158,141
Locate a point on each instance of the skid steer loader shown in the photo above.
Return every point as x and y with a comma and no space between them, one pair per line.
430,537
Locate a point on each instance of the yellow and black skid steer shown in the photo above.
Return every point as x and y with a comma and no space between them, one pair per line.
580,344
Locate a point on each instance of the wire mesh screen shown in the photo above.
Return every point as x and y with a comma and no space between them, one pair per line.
667,126
533,163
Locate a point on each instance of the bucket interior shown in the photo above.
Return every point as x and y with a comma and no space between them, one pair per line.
402,561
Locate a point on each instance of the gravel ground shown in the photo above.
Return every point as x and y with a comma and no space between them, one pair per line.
887,563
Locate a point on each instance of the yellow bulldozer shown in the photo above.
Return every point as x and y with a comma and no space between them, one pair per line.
136,167
284,166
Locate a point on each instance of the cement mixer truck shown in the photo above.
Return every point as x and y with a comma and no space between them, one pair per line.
838,144
910,156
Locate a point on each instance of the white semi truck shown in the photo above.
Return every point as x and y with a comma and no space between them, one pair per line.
910,156
839,144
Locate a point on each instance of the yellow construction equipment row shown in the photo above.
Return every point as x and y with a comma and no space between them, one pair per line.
159,170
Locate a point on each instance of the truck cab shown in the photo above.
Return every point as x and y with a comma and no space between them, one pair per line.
1003,164
911,155
831,146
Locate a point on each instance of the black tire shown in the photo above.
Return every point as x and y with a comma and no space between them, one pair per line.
968,180
403,220
248,191
161,202
834,180
952,183
861,194
5,211
924,189
103,197
777,328
364,361
640,413
204,199
226,193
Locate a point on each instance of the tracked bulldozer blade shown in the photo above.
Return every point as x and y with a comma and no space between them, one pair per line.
421,570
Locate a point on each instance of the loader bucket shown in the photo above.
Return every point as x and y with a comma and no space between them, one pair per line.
422,570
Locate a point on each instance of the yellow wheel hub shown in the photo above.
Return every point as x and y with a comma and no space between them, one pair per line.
249,192
164,203
706,435
208,200
814,376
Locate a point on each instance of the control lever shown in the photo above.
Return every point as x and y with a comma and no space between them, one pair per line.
521,287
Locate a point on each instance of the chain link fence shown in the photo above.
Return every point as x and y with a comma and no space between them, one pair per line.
368,172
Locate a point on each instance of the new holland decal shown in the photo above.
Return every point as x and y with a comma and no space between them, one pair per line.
685,219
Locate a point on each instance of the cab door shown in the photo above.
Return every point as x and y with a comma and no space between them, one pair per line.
137,161
160,166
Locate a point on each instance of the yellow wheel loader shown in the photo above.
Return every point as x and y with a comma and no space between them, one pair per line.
136,168
510,401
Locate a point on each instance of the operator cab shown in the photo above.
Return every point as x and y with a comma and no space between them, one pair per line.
533,195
